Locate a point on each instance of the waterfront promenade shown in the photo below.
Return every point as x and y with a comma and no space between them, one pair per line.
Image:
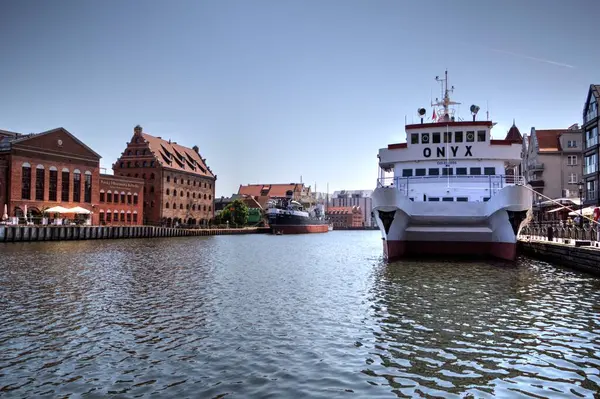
60,233
568,245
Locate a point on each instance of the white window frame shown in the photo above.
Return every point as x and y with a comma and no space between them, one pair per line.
572,178
570,158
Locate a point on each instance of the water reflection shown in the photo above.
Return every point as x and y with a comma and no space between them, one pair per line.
283,316
487,329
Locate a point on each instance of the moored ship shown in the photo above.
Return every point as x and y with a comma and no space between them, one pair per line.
287,216
453,189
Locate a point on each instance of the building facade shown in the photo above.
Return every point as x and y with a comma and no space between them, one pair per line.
263,192
552,161
359,198
120,201
47,169
345,216
591,154
179,187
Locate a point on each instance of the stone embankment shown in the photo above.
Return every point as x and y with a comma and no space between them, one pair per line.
580,255
59,233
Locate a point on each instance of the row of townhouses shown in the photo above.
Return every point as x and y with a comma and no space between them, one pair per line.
563,163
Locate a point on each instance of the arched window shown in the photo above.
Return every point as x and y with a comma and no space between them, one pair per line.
122,216
129,198
168,191
129,152
137,164
115,216
135,198
187,206
167,205
204,207
168,179
109,197
53,186
122,165
189,182
145,164
136,175
175,180
209,196
193,195
108,216
174,193
188,194
204,196
209,208
102,196
181,193
193,207
128,216
87,187
174,205
129,164
40,177
151,164
65,185
137,152
151,189
180,206
76,185
26,181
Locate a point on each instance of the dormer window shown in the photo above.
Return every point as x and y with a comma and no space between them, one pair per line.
414,138
436,138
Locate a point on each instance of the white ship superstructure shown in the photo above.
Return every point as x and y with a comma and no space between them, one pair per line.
453,189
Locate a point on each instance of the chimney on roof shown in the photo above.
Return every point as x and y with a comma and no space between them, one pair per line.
196,149
137,130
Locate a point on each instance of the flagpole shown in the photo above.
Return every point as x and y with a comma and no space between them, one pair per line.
447,156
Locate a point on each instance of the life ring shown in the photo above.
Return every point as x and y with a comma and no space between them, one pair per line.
596,214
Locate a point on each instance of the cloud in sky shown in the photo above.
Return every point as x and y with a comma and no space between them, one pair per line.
532,58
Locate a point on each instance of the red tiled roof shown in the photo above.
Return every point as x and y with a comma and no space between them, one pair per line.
177,157
514,134
548,140
270,190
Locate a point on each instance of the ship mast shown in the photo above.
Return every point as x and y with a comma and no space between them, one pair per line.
446,114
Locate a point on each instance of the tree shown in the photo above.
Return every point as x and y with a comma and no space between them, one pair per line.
235,213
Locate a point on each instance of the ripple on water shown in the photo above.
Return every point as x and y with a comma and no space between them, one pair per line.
304,316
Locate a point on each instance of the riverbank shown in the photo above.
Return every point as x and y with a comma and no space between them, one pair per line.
58,233
585,258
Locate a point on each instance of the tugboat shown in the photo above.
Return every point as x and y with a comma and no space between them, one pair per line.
287,216
454,189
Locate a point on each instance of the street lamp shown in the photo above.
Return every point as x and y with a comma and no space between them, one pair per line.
581,204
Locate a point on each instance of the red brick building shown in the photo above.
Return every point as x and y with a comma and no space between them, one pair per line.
47,169
120,201
179,186
345,216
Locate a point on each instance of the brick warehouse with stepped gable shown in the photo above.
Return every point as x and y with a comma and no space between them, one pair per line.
179,186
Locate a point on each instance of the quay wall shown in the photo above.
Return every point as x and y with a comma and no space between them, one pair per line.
585,258
59,233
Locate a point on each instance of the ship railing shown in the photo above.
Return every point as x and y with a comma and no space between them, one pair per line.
490,182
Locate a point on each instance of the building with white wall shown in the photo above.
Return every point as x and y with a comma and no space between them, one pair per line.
360,198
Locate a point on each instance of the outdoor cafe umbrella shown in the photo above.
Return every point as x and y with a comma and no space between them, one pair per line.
5,214
79,210
57,209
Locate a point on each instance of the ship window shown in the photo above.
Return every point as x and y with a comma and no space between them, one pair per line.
486,199
414,138
435,137
425,138
489,171
448,199
447,137
412,199
433,199
470,137
447,171
458,137
420,172
481,135
462,199
461,171
407,172
434,171
475,171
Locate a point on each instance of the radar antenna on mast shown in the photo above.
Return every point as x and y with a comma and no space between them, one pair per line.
444,112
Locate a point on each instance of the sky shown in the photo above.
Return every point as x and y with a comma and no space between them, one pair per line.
278,91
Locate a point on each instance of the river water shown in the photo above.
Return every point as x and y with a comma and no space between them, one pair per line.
316,316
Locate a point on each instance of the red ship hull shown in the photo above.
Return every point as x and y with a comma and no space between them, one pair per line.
300,229
394,250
